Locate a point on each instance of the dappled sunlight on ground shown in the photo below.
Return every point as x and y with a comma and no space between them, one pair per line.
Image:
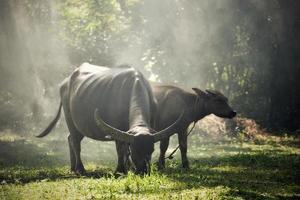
221,168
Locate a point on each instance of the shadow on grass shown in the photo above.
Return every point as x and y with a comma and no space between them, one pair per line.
257,175
291,143
33,152
25,175
250,174
23,153
23,161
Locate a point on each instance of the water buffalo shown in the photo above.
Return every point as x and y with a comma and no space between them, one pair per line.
197,104
110,104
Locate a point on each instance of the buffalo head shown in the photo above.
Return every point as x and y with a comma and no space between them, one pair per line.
140,140
215,103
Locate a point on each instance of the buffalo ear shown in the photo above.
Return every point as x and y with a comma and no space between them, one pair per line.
199,92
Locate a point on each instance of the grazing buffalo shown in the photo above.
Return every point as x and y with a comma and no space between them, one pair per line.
198,104
110,104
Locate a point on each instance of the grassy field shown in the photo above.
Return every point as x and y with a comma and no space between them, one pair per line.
221,168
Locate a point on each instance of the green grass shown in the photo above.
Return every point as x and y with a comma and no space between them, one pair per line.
221,168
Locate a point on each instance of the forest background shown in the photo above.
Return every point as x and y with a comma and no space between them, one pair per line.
249,50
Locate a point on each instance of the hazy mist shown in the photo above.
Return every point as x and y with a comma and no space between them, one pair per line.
170,41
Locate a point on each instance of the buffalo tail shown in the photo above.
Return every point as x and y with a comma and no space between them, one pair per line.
52,123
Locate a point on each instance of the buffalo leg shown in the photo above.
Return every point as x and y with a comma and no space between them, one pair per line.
72,155
122,151
74,138
163,148
182,139
75,141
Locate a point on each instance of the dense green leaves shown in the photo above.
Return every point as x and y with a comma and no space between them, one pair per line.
229,46
246,49
90,27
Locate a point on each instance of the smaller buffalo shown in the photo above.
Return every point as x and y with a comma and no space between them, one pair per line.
197,104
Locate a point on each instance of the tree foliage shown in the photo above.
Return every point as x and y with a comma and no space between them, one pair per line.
247,49
236,47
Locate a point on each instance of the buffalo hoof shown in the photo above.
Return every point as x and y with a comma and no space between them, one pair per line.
160,166
119,175
80,171
121,170
73,169
186,166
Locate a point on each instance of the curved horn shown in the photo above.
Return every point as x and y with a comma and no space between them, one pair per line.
212,92
115,133
167,132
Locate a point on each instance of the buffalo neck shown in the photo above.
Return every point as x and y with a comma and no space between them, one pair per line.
198,108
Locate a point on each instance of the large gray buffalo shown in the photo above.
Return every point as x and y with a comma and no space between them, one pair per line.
110,104
197,104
